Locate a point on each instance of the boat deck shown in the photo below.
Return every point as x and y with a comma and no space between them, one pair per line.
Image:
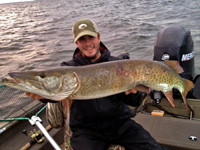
167,130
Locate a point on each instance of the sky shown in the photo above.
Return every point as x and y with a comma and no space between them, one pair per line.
12,1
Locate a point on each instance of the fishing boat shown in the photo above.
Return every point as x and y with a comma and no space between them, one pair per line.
174,127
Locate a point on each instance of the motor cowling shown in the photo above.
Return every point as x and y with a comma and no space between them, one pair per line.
175,43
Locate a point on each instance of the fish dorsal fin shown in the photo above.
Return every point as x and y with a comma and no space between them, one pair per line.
174,65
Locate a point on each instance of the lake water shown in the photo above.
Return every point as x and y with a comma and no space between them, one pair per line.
38,34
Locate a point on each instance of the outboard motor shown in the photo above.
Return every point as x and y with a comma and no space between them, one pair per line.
175,43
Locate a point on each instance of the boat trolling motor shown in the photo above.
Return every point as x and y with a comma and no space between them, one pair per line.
175,43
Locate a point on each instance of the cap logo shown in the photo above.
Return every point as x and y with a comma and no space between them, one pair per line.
82,26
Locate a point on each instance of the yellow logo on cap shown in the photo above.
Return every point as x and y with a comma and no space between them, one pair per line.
82,26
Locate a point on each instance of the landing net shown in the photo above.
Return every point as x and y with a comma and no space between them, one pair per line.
15,104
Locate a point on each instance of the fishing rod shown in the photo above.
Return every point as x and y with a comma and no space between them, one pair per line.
35,120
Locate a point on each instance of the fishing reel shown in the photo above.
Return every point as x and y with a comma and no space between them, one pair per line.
37,136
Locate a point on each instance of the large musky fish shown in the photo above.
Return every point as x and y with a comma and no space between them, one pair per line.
103,79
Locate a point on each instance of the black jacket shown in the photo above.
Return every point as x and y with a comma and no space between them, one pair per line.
101,113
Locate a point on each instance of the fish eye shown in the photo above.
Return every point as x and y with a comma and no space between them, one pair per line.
42,75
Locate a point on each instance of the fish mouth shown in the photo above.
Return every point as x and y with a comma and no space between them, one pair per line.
30,81
4,80
21,79
18,76
11,80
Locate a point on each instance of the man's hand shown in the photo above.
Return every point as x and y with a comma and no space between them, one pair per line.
34,96
42,99
138,88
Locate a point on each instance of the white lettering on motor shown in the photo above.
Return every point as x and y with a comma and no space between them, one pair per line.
187,57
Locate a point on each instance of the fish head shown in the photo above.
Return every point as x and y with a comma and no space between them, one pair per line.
51,84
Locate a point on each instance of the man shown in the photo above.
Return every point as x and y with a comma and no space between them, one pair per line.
99,122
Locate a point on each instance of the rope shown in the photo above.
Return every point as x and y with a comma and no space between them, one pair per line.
2,86
40,110
12,119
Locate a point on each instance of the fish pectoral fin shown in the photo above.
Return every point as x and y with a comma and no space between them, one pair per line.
170,98
174,65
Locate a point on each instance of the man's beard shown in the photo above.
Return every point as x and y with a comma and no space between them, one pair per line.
93,57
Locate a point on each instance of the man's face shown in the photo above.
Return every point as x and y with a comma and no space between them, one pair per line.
89,46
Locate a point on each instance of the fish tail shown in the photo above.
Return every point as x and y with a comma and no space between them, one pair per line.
189,86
